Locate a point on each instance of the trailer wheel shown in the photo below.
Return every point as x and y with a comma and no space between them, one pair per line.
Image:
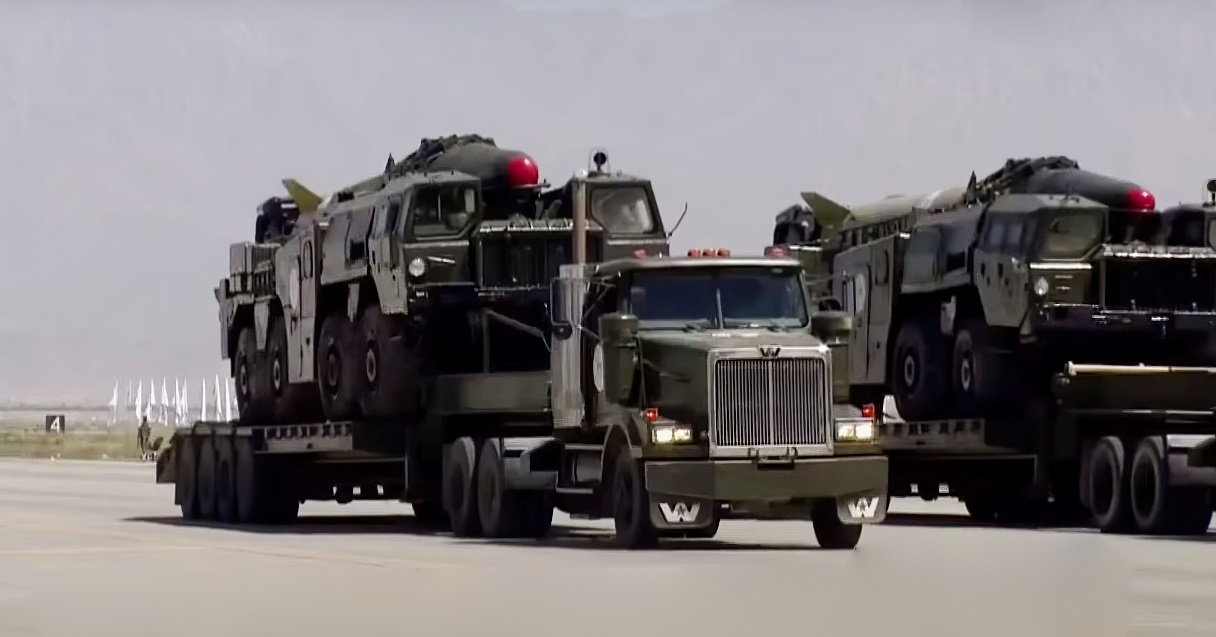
460,488
206,479
981,507
1109,504
1157,506
920,377
225,484
292,402
186,486
537,514
254,398
500,510
389,389
338,371
631,504
830,531
248,484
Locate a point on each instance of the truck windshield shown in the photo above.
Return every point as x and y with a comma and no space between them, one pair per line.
622,209
1071,235
718,298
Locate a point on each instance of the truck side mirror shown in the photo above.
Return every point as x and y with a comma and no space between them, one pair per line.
618,355
832,326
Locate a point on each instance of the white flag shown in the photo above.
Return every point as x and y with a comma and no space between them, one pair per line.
114,404
228,399
130,394
139,401
202,398
185,403
219,401
164,401
177,402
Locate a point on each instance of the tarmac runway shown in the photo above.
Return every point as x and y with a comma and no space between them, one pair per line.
97,549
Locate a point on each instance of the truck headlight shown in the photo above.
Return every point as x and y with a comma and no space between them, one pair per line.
670,434
1041,286
854,430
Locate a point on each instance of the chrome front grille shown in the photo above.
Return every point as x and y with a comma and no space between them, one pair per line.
760,402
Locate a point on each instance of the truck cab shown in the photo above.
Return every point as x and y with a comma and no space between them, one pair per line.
714,377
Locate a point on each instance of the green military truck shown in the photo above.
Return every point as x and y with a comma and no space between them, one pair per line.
1047,336
457,335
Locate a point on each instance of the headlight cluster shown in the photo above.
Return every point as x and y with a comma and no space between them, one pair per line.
670,434
854,430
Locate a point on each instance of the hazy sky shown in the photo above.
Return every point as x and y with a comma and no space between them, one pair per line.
136,138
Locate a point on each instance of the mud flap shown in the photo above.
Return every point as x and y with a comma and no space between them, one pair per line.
1137,389
862,508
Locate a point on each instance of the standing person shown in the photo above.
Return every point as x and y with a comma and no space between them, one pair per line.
141,436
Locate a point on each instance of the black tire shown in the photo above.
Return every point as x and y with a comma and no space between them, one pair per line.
631,504
830,532
1109,504
977,372
390,371
206,479
248,485
1158,507
225,483
920,379
498,508
254,400
186,485
460,488
981,507
537,512
293,402
338,373
430,513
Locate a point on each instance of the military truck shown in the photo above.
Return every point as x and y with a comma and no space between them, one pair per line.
1047,336
455,335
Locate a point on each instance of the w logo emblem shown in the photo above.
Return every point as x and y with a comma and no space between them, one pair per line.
679,513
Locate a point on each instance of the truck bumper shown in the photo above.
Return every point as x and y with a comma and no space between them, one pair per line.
686,493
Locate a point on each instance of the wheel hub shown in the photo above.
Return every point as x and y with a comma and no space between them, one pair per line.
370,366
964,373
242,379
276,374
909,370
332,369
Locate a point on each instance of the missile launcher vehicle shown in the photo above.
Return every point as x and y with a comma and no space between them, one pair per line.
456,334
1035,328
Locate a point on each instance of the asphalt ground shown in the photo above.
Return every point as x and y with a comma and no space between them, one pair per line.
96,548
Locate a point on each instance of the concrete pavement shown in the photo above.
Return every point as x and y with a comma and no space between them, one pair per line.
96,548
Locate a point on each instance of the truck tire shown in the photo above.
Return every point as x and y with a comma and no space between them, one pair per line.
537,514
225,484
499,509
830,532
978,375
337,370
460,488
1157,506
631,504
206,479
186,484
254,400
292,402
248,484
389,387
1109,504
920,378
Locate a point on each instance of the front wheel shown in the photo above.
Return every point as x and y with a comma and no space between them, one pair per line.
631,504
830,531
920,378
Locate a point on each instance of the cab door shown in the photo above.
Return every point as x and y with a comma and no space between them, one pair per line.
384,256
992,270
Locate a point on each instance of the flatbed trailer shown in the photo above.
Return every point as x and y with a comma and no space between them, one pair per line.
1131,449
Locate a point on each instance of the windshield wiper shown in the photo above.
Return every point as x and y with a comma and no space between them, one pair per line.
698,325
769,324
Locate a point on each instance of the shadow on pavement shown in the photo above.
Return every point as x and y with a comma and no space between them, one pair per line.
562,537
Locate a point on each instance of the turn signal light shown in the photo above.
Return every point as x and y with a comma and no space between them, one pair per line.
774,252
639,254
651,414
867,411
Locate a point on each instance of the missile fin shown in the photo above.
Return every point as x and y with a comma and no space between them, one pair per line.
828,213
306,200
